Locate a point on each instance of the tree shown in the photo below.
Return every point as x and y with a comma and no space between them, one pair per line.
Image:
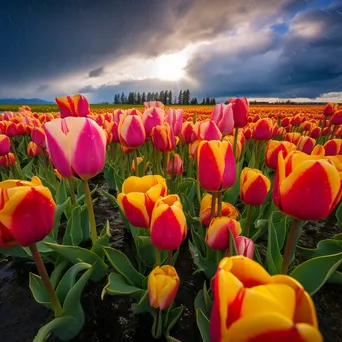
162,96
123,98
170,97
180,98
186,97
149,97
143,97
166,97
139,98
194,101
203,101
116,99
207,101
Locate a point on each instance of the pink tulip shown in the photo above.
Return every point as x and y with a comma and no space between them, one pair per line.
174,118
223,116
186,133
131,131
5,145
208,130
244,246
38,136
152,117
151,104
76,145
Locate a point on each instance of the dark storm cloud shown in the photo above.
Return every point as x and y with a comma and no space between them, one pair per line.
96,72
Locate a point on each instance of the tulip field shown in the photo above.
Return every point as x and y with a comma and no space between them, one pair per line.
205,223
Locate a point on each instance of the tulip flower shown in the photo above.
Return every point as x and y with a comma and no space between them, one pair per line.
230,139
296,120
187,131
263,130
76,105
293,137
168,223
33,150
240,111
193,149
163,138
27,212
307,189
285,122
175,166
244,246
330,109
152,104
139,160
139,196
208,130
248,132
223,117
5,145
258,307
11,129
162,286
228,210
333,147
152,117
76,145
174,118
272,150
38,136
306,144
254,186
131,131
315,132
7,160
217,236
216,165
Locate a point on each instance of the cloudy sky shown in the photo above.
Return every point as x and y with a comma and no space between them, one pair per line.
222,48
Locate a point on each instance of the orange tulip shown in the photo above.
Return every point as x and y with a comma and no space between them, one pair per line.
76,105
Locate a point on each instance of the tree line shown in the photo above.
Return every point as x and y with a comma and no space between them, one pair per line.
164,96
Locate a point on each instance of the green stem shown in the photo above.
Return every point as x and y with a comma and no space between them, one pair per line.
154,166
219,204
249,220
236,135
10,167
291,242
72,192
189,168
259,146
90,209
198,189
218,256
135,161
46,280
165,157
213,205
169,257
158,257
45,162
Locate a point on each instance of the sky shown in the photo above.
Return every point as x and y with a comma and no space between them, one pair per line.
259,49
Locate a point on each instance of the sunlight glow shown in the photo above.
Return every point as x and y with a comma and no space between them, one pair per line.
171,67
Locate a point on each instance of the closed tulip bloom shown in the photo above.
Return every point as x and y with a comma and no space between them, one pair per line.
131,131
306,189
140,160
27,212
285,122
174,118
11,129
330,109
163,283
245,246
228,210
216,165
318,150
333,147
240,111
336,118
175,166
315,132
163,138
151,104
33,150
193,149
217,236
76,105
134,111
8,160
152,117
258,307
168,223
186,133
306,144
306,126
263,130
293,137
208,130
296,120
272,150
223,116
248,132
139,196
239,144
76,145
5,145
254,186
38,136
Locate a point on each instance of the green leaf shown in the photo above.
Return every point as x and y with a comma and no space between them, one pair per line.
339,215
273,257
203,324
117,286
261,228
123,266
157,327
73,233
38,290
313,273
198,242
16,251
81,198
116,203
55,325
203,301
232,193
69,279
60,208
61,194
102,241
27,170
232,245
336,278
173,317
203,265
143,306
57,273
108,173
77,254
324,247
147,251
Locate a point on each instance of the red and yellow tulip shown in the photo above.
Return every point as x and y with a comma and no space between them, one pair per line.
272,150
5,145
76,105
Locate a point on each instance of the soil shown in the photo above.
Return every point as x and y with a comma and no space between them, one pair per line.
111,319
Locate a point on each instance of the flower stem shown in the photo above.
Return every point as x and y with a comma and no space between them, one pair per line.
90,209
46,280
158,257
135,160
72,192
198,189
165,157
291,242
249,220
169,257
219,204
236,135
213,205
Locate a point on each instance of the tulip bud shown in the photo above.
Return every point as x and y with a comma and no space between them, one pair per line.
330,109
5,145
263,130
193,149
207,130
306,144
27,212
8,160
293,137
216,165
186,133
131,131
162,286
11,129
244,246
285,122
163,138
175,166
38,136
240,111
139,159
333,147
336,118
254,186
174,118
76,105
315,132
168,223
296,120
33,150
152,104
248,132
223,116
230,139
152,117
272,150
217,236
